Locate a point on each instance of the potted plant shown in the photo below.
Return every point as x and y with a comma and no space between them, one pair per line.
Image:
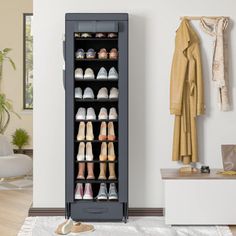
20,138
6,107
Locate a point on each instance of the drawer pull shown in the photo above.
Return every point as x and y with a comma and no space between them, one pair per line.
96,210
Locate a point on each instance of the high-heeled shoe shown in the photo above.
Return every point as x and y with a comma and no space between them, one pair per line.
103,152
90,167
103,131
81,171
111,132
81,131
89,131
89,152
103,170
111,152
80,155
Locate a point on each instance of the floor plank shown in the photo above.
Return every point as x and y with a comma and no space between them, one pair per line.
14,206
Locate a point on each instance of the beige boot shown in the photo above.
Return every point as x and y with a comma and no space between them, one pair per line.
103,153
81,228
81,171
65,227
81,131
103,131
89,152
111,131
103,170
80,155
89,131
111,152
90,171
112,174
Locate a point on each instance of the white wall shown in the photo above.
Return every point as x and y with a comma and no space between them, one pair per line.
151,43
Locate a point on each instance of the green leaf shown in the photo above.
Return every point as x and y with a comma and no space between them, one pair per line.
6,50
12,63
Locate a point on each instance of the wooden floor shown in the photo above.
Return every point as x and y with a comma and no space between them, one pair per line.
14,206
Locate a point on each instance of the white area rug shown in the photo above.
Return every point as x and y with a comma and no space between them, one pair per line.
17,184
150,226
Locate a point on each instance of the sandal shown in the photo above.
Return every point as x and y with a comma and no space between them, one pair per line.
113,54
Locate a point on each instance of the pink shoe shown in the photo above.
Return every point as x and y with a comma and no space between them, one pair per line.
79,191
88,192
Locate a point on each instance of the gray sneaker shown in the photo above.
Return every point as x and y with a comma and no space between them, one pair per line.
112,192
102,194
102,73
88,93
80,53
78,92
112,73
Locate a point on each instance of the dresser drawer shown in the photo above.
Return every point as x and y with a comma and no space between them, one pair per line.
97,211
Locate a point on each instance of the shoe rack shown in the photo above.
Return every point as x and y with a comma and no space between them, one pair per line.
92,23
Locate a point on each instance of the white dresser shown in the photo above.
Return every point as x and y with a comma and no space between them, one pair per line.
199,199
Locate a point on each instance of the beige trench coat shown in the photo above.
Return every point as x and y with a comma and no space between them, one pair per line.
186,93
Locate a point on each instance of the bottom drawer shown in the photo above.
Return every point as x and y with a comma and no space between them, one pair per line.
97,211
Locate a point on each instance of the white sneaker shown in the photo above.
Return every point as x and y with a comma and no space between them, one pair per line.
102,93
113,93
88,93
80,115
78,92
89,74
90,114
79,74
113,114
102,74
103,114
112,73
79,191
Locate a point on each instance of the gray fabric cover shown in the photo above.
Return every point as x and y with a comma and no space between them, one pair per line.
5,146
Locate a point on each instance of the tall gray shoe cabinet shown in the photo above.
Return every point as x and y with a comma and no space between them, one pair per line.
77,23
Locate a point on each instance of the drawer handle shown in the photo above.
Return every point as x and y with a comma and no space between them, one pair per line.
97,210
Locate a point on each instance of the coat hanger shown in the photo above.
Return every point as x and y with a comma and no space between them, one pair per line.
199,17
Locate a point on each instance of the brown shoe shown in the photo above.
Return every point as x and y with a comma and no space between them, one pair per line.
81,227
81,171
103,131
65,227
111,132
112,173
111,152
103,170
90,170
102,54
113,55
103,152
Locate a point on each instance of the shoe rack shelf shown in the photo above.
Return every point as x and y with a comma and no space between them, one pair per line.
84,209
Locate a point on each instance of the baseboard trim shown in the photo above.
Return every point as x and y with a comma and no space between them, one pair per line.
61,211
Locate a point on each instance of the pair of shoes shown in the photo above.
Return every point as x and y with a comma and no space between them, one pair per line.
107,152
73,227
104,116
103,93
103,54
81,156
89,131
86,193
90,54
104,135
112,74
109,35
90,167
102,194
82,114
88,74
88,93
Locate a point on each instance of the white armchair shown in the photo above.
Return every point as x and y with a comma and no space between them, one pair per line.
13,165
